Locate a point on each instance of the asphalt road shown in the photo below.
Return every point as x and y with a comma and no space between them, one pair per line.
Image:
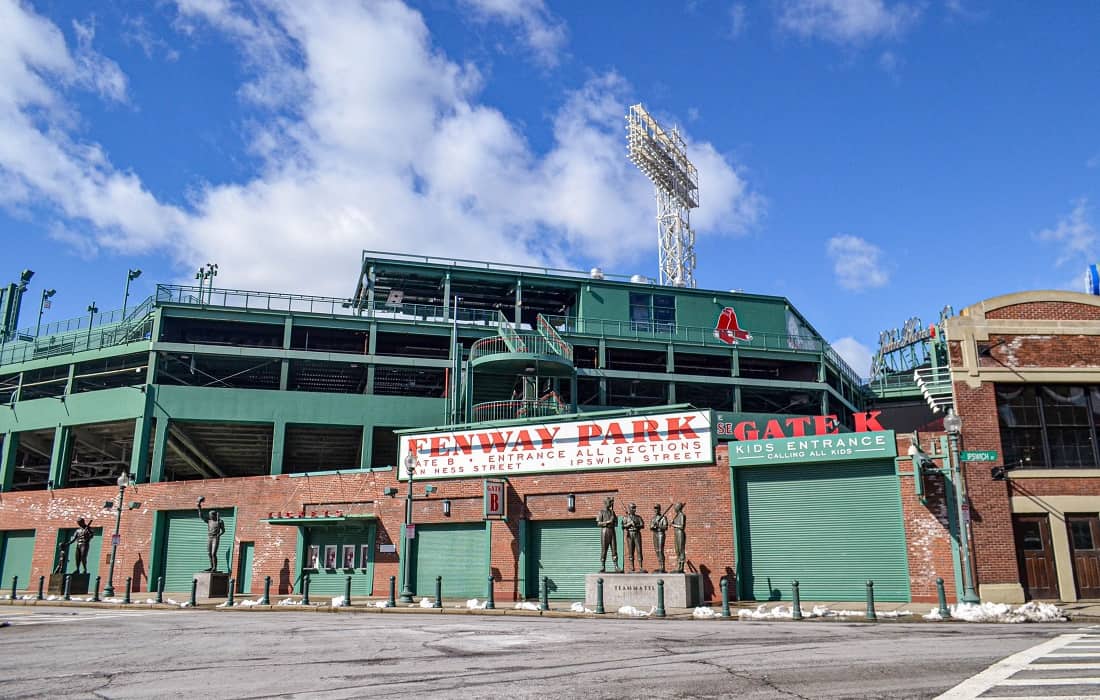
109,653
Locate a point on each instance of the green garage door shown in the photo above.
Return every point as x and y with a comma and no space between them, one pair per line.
455,552
831,527
15,558
95,549
356,543
563,551
185,548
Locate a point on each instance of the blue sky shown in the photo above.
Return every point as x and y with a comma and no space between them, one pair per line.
869,159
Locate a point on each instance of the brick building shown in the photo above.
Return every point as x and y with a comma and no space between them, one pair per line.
1025,370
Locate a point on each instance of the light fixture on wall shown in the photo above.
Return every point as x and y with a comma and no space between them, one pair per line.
447,507
429,490
571,502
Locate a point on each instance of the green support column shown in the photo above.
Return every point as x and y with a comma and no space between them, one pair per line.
278,439
447,295
737,398
671,386
69,381
139,452
284,374
160,443
735,363
59,459
366,446
370,295
8,451
369,389
519,301
151,369
573,392
824,403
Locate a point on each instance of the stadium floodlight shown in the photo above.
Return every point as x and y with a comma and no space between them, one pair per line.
662,156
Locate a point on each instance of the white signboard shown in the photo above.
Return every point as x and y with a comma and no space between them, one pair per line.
661,440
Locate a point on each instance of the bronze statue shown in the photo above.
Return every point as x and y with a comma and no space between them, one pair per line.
659,525
679,539
607,520
632,538
62,557
215,529
83,537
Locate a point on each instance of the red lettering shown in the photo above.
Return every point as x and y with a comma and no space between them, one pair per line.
494,441
825,425
678,429
462,443
868,421
414,446
547,436
494,502
523,441
439,446
646,430
773,430
798,425
746,430
614,434
586,432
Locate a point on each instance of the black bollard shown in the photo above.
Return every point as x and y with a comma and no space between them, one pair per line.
95,593
660,597
725,597
266,600
347,592
490,603
15,587
68,578
305,590
392,602
871,601
599,597
944,612
796,602
194,592
544,604
438,592
41,584
126,595
160,589
229,600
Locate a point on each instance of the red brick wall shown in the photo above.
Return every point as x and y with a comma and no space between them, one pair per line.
927,533
1020,351
1047,311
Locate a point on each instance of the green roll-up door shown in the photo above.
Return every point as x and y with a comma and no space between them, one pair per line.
831,527
455,552
15,559
564,551
331,581
95,549
185,548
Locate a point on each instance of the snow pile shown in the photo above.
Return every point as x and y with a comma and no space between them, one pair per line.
786,612
1001,612
704,612
427,603
187,603
382,604
337,602
475,604
49,597
106,600
579,608
246,603
933,615
895,613
223,605
289,601
526,606
631,611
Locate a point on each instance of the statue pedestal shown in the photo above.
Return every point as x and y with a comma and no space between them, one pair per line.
212,584
78,584
640,590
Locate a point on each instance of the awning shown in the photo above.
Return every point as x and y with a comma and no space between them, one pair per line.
320,520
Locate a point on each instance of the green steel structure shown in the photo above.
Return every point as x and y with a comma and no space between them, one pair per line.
206,383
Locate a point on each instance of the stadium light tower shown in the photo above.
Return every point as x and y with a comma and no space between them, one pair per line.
662,156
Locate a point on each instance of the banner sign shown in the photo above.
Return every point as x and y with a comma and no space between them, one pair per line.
823,448
757,426
659,440
494,498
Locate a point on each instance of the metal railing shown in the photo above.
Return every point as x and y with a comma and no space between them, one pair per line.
493,266
549,405
527,343
68,343
551,334
70,325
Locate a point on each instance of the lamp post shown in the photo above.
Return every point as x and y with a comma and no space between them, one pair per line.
406,554
131,275
210,274
92,311
952,423
42,305
123,482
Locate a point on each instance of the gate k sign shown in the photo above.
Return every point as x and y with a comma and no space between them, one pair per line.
495,503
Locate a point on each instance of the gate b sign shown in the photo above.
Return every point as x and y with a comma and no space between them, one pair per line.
494,499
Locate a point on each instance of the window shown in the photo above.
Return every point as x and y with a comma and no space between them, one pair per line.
652,313
1051,425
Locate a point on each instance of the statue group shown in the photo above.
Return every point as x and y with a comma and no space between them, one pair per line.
633,525
82,536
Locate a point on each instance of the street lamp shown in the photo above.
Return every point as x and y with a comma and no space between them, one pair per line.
131,275
123,482
952,423
42,305
406,553
92,311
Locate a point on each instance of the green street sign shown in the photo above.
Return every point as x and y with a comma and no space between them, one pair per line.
978,456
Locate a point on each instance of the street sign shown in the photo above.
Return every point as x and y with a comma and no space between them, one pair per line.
978,456
494,498
410,531
115,540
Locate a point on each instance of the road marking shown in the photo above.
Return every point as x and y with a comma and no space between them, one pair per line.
1000,673
41,618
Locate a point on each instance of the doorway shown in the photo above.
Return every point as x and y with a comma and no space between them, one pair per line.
1084,543
1035,556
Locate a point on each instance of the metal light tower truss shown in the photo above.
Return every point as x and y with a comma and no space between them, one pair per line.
662,156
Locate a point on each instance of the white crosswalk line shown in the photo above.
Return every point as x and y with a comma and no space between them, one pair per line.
1051,681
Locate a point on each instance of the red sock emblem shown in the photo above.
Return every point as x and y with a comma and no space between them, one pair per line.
727,329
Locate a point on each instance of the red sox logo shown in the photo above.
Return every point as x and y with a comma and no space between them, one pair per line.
727,329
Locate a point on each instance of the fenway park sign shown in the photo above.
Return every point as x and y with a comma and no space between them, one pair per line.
660,440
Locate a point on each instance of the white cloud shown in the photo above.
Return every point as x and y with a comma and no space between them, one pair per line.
858,264
544,33
370,138
738,19
856,354
846,21
1075,235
